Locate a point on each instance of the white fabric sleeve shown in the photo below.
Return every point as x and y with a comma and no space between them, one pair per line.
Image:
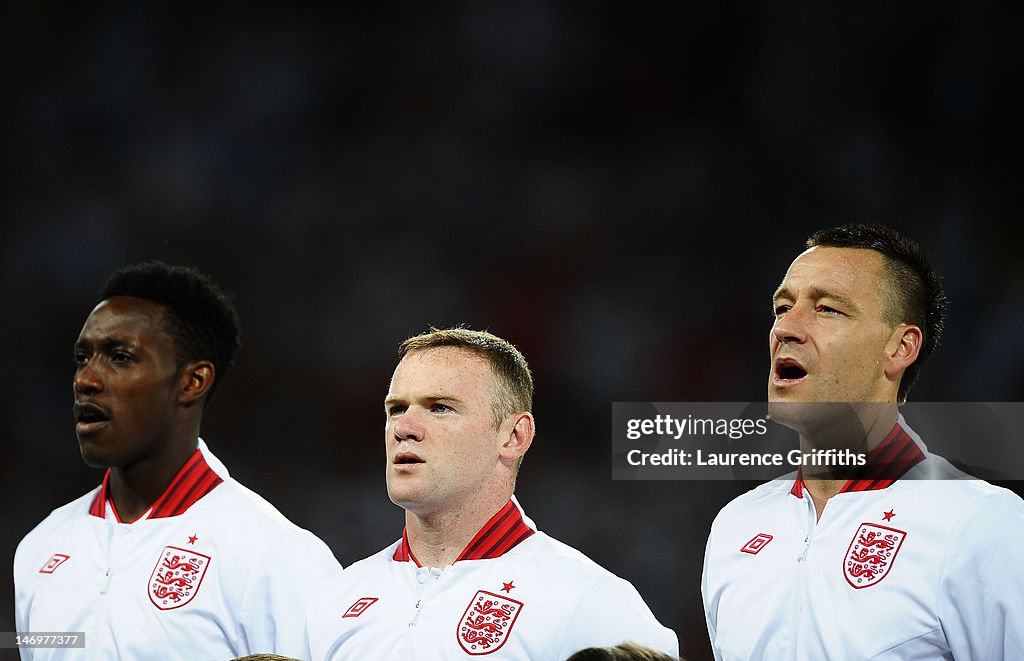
981,608
21,599
291,572
710,610
613,612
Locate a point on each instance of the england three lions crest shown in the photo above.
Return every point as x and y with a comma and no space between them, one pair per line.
487,622
871,554
176,577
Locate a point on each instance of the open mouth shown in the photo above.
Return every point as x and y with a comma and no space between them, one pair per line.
788,370
89,417
791,372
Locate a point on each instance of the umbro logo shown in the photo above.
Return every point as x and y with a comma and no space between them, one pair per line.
756,543
56,560
358,608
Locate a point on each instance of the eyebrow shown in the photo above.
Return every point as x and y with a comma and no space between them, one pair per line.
392,399
104,343
815,293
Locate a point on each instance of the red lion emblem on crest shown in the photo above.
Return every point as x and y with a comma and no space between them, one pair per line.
872,551
485,625
175,579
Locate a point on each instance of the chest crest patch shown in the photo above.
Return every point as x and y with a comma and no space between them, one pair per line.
176,577
871,554
487,622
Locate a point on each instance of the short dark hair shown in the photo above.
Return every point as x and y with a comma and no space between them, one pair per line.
912,289
200,317
515,383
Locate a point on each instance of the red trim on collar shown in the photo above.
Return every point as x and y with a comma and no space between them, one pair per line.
193,481
888,462
404,552
498,536
99,502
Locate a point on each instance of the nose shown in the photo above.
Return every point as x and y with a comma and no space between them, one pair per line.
87,379
407,427
791,327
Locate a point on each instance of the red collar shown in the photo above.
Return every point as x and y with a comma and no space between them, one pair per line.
194,480
505,530
888,462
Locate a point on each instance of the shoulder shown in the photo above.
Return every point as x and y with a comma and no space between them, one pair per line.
540,545
753,502
569,573
232,494
599,607
563,565
56,523
368,566
977,504
981,528
956,493
367,569
64,515
382,556
234,497
235,506
242,518
971,521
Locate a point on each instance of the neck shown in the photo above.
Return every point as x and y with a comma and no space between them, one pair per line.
862,433
437,539
135,487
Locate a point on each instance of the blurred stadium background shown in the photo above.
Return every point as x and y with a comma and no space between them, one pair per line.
615,187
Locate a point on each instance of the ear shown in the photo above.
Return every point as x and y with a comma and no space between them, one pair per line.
516,437
902,350
196,381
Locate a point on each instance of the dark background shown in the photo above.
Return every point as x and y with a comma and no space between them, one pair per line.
615,187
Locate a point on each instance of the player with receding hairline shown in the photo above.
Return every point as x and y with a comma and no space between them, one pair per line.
471,574
902,557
